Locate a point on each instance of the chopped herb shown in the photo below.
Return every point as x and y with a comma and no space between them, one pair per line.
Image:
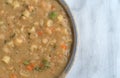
37,68
27,62
46,63
29,33
6,41
12,36
54,46
52,15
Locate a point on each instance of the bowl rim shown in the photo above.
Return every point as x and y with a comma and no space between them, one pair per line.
74,34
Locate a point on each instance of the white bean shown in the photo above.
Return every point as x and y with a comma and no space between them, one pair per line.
6,59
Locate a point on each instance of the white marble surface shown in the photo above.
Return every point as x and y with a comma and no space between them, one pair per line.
98,27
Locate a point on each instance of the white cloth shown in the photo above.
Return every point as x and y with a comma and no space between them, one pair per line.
98,28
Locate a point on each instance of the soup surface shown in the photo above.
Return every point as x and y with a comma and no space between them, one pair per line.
35,39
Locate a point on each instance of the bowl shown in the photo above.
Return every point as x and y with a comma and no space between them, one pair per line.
74,36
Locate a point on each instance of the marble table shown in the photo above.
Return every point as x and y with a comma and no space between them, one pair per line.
98,28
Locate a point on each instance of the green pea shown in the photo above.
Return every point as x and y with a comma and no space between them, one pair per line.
52,15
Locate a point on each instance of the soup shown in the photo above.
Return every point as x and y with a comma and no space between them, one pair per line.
35,39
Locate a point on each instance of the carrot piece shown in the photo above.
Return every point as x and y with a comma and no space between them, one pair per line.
40,33
63,46
30,67
52,7
13,76
52,29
